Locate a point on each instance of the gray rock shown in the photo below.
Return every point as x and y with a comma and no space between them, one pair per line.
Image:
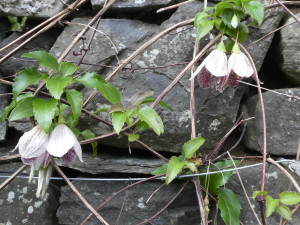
4,98
114,163
290,57
133,5
36,9
131,206
282,116
19,205
276,183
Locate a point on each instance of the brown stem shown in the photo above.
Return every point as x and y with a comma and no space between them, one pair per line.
289,11
12,177
84,201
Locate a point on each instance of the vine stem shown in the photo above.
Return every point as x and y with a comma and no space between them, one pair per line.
264,126
84,201
289,11
12,177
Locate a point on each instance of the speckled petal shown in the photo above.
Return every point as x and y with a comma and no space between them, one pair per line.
205,79
233,79
69,156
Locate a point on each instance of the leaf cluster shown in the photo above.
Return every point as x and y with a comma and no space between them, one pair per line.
281,204
227,17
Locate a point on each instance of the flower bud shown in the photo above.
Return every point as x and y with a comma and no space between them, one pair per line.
234,21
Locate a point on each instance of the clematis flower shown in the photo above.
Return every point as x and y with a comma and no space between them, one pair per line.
214,68
33,147
64,144
234,21
239,66
33,150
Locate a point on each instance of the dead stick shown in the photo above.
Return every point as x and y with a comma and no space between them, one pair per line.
12,177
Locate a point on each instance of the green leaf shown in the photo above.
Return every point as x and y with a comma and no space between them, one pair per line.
129,121
230,206
75,99
118,120
199,18
61,109
91,80
191,166
204,28
271,204
23,109
151,117
175,166
284,211
227,16
56,85
257,193
25,78
67,68
142,126
15,25
290,198
133,137
241,31
221,6
138,98
190,147
44,58
7,110
110,92
219,179
44,111
255,9
161,103
87,134
160,170
101,110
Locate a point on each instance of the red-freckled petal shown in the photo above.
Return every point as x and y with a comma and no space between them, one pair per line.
28,161
233,79
222,82
205,78
69,156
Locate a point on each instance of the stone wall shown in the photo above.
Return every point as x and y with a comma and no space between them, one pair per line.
130,24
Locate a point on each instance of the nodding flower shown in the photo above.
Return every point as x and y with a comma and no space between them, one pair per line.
214,69
239,66
64,144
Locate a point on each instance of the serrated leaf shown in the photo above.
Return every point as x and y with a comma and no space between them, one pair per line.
221,6
87,134
57,84
151,117
255,9
271,204
67,68
75,99
133,137
129,121
25,78
284,211
175,166
219,179
7,110
91,80
118,120
290,198
44,58
23,109
142,126
204,28
160,170
61,108
190,147
257,193
230,206
44,111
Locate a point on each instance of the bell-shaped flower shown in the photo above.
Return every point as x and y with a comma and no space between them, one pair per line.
33,147
234,21
64,144
213,69
239,66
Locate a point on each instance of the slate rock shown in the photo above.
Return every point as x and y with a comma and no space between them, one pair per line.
283,128
105,163
18,202
276,183
35,8
130,207
133,5
4,99
288,50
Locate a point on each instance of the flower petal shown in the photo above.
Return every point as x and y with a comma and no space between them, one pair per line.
233,79
69,156
217,65
240,64
33,143
78,150
61,140
205,79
